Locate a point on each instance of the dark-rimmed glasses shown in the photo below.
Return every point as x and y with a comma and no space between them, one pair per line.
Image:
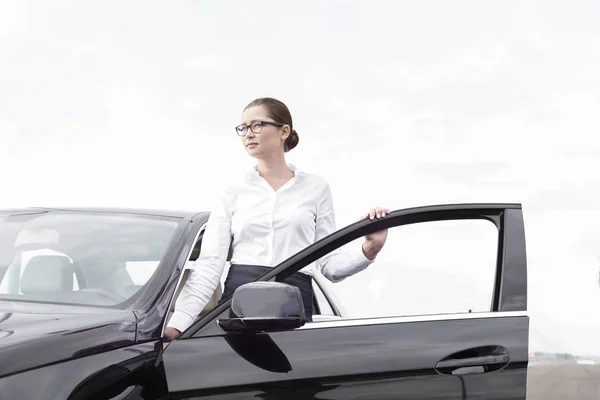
255,126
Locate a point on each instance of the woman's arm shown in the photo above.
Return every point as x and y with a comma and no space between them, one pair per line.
339,265
206,271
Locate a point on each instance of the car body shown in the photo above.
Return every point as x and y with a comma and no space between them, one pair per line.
85,295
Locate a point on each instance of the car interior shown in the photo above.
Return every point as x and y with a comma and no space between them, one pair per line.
57,277
46,270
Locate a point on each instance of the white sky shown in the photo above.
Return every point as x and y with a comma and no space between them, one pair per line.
397,103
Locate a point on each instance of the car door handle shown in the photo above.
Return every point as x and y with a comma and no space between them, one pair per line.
474,361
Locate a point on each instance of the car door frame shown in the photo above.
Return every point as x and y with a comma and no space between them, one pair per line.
510,285
511,263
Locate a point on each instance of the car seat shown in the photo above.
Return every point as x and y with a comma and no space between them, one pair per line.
48,273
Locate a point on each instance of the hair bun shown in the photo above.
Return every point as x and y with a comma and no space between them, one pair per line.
291,141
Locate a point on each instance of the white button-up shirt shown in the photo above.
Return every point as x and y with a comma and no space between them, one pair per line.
265,227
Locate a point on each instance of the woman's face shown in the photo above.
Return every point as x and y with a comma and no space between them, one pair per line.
267,139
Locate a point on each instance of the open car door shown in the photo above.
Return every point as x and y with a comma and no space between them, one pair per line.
481,353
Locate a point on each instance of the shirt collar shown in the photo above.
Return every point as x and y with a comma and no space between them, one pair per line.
253,173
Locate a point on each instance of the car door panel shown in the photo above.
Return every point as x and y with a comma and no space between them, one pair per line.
344,360
376,358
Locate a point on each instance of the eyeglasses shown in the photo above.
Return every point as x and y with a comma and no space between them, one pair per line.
256,127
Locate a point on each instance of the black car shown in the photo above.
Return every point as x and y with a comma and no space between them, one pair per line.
85,295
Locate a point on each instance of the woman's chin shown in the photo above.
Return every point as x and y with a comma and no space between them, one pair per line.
253,153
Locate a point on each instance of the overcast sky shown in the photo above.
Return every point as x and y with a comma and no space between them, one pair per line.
396,103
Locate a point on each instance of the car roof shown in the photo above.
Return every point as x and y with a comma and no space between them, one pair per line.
180,214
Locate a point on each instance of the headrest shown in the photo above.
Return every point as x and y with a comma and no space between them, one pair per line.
48,273
37,237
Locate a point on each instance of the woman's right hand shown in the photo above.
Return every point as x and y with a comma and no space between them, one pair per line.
171,334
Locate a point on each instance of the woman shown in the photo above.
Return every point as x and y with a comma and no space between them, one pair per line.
271,214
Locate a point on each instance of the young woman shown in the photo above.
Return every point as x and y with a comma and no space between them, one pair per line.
271,214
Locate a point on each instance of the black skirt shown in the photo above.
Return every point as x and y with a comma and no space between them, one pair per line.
240,274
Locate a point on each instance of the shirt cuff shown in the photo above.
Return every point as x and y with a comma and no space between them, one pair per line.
360,255
180,321
359,259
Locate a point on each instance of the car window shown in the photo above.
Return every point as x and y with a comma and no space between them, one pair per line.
425,268
322,302
140,272
81,258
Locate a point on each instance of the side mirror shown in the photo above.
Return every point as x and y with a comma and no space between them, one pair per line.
265,307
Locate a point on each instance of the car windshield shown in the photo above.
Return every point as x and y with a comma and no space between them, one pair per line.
80,258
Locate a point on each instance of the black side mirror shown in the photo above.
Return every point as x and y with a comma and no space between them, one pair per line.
265,307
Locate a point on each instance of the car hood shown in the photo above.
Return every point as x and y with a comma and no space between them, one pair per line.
33,335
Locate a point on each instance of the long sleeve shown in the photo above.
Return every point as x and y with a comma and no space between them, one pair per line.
342,263
206,271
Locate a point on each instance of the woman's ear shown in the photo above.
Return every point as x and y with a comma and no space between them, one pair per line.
285,132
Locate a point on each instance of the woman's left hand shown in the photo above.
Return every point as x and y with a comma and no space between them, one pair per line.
374,241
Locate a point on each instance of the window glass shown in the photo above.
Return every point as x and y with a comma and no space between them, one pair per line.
140,272
426,268
82,258
325,308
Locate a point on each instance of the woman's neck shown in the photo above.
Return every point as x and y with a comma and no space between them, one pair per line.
273,168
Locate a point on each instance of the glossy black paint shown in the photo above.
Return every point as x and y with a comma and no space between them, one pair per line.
153,306
388,361
81,378
511,294
34,335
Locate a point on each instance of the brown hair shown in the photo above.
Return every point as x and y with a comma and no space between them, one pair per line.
279,113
